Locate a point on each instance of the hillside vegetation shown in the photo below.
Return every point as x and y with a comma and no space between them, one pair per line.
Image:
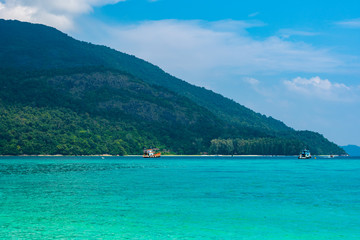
62,96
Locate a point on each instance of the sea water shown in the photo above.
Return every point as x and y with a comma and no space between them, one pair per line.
179,198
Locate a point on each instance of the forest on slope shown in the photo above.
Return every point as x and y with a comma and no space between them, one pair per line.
63,96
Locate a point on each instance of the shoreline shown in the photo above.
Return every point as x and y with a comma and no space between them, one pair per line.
172,155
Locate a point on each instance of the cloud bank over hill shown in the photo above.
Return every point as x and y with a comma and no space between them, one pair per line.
221,48
56,13
321,88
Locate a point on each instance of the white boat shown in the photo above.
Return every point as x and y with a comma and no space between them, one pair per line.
305,154
151,153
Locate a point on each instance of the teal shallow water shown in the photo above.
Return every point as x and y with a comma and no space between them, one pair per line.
179,198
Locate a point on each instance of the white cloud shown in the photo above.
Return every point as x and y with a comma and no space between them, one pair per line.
352,23
55,13
286,33
269,92
253,14
251,81
229,25
199,51
320,88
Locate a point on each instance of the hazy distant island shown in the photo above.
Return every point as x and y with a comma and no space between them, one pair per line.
62,96
352,150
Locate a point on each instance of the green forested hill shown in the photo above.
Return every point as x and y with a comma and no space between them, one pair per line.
40,104
52,49
62,96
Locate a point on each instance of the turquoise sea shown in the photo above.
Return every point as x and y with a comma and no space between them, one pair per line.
179,198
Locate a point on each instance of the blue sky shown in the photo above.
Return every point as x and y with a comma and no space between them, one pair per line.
297,61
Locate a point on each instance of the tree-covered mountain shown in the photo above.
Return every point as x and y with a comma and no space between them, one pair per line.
59,95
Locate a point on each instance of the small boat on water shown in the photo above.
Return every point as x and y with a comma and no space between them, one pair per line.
151,153
305,154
